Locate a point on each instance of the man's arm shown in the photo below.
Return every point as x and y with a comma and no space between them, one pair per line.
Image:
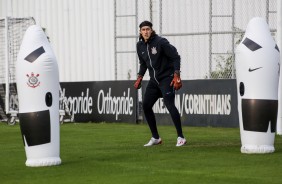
141,73
171,52
142,66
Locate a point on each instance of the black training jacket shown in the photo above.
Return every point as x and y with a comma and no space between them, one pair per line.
158,56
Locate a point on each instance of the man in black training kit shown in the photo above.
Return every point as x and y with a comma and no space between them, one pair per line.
163,62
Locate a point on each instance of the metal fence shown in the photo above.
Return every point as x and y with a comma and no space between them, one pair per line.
11,34
205,32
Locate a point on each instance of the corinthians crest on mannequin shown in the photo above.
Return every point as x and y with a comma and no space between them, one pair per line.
33,80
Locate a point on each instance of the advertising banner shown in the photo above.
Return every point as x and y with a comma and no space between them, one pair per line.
202,103
109,101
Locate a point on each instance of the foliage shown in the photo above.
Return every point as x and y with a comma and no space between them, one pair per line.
224,67
225,64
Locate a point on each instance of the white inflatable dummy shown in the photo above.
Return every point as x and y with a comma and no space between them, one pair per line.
38,93
257,71
279,43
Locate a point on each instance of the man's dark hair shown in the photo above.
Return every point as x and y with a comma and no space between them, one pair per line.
145,23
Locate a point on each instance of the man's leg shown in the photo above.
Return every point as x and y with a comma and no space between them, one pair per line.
169,103
151,95
169,96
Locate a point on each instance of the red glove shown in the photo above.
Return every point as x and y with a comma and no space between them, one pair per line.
137,84
176,81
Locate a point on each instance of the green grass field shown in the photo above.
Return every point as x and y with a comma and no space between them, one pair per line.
105,153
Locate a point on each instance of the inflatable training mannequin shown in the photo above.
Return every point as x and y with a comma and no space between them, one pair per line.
38,93
257,71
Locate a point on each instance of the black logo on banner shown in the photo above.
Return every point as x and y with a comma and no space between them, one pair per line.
35,127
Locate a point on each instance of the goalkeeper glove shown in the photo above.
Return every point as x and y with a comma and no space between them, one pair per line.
137,84
176,81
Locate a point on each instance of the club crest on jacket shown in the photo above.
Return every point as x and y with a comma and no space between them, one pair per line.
154,50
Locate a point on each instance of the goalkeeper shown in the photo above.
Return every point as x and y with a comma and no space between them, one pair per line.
163,63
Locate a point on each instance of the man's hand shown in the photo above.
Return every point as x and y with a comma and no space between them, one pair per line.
137,84
176,81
